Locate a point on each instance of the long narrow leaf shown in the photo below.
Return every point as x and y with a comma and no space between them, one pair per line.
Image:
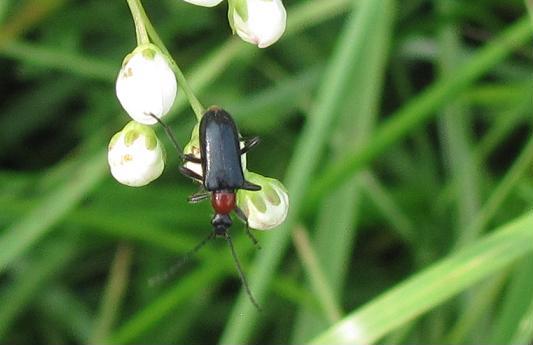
434,285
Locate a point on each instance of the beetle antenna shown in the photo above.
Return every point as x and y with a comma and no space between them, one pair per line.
241,273
170,135
182,260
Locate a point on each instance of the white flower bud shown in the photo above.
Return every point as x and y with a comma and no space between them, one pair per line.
260,22
267,208
146,84
205,3
135,155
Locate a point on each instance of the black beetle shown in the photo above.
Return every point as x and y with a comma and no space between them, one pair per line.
222,175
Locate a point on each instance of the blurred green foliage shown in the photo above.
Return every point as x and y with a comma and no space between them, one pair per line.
402,131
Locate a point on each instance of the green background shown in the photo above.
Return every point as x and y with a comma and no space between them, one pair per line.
402,131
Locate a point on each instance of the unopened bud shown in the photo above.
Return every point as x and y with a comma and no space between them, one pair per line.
135,155
260,22
146,84
266,208
205,3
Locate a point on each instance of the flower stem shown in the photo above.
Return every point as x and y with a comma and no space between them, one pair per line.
137,10
196,106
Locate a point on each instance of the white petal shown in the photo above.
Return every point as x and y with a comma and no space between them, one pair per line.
265,23
270,214
194,167
146,84
272,217
205,3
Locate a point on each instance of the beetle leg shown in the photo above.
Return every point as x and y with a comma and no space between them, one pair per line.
249,144
189,173
190,158
240,214
186,157
250,186
169,133
199,196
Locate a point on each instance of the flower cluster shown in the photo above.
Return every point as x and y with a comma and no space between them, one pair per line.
146,88
260,22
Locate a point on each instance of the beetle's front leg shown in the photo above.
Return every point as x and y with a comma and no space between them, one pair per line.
191,158
191,174
247,185
249,144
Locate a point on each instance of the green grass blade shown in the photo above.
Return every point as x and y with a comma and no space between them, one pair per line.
53,258
529,5
67,310
456,127
49,96
316,275
148,317
479,306
113,295
515,303
305,14
421,109
524,334
390,209
500,193
52,57
305,159
434,285
338,216
33,226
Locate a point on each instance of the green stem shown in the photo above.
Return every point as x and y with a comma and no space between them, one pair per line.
113,294
196,106
529,5
137,10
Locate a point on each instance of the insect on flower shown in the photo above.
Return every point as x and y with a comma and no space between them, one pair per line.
222,175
